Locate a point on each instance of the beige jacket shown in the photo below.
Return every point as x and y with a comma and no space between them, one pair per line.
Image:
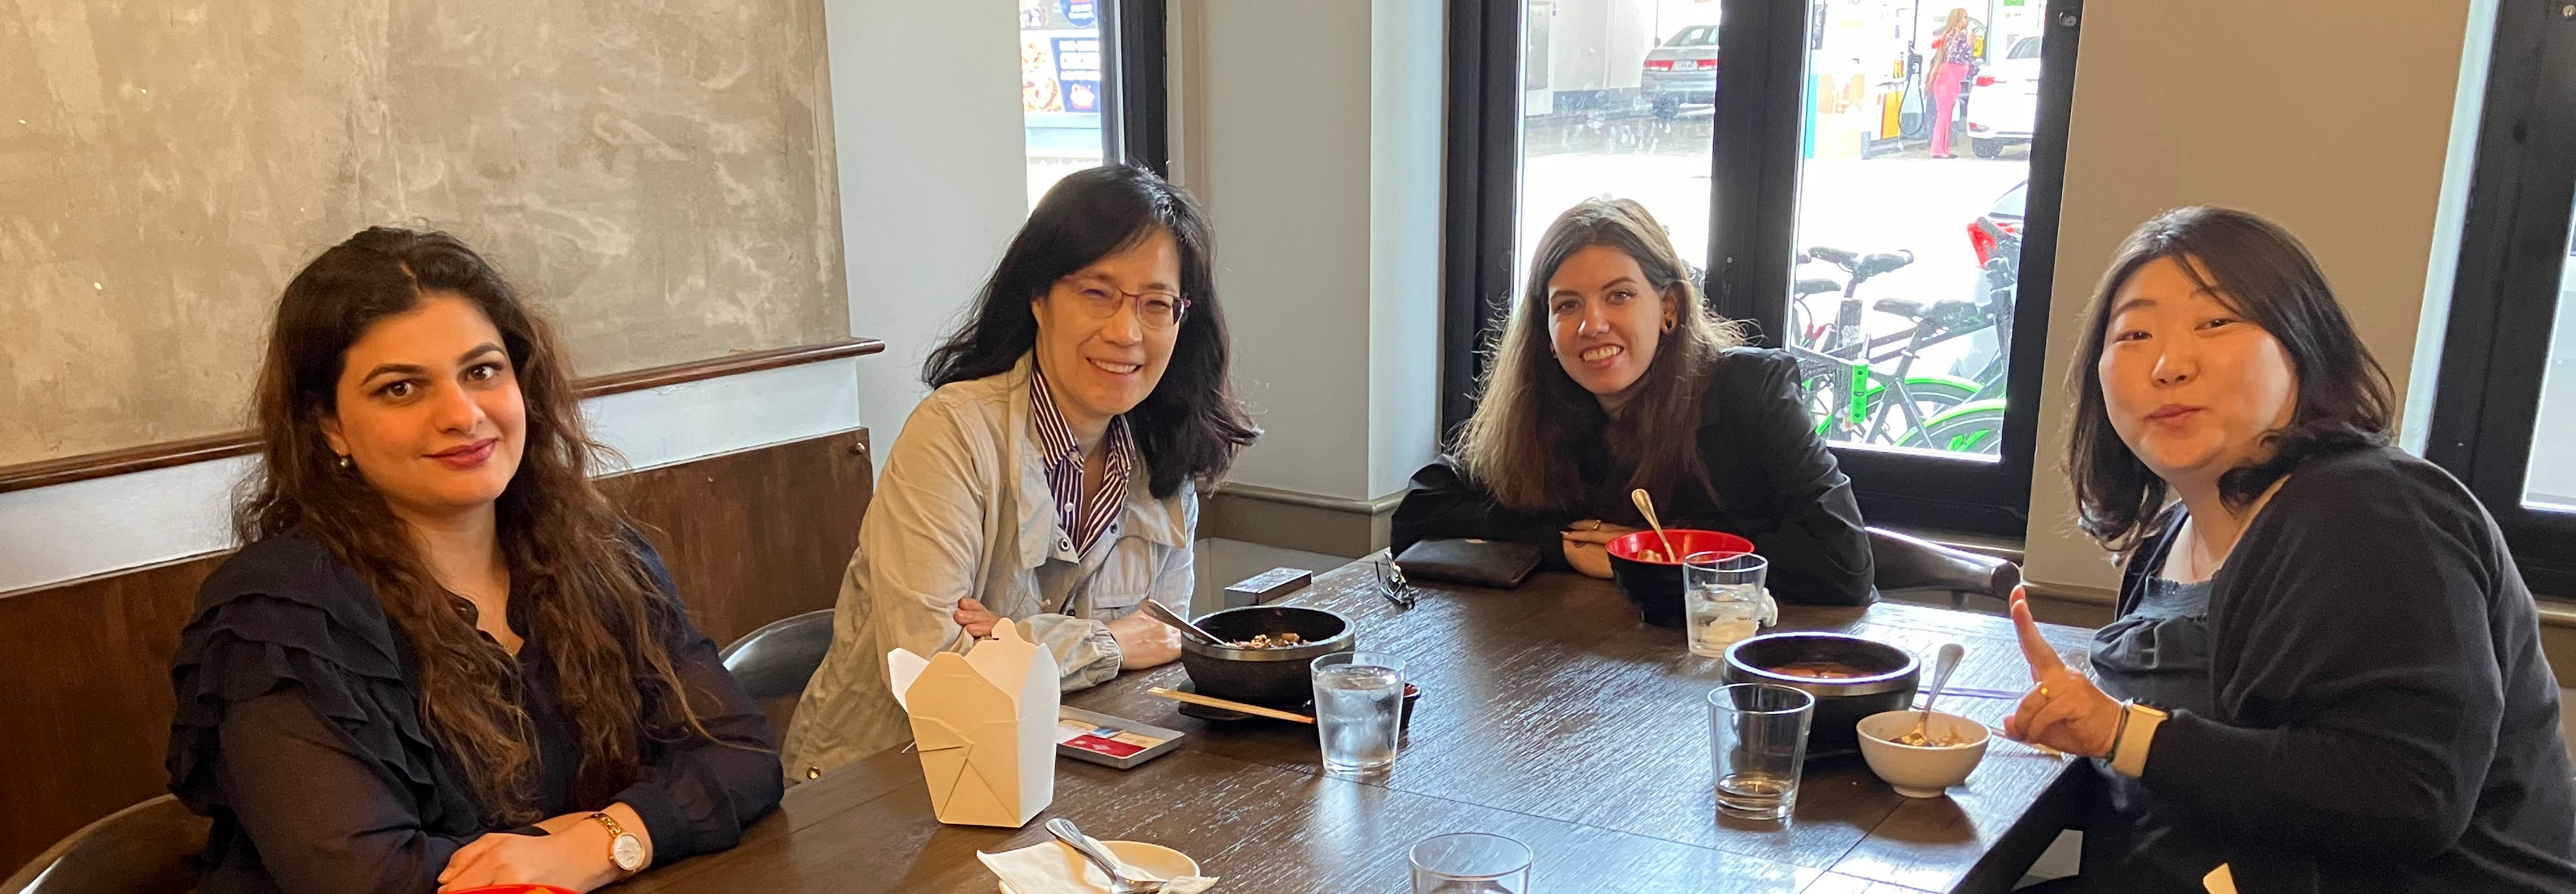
962,509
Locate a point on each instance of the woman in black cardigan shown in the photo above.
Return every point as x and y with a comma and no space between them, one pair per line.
2326,673
442,660
1611,377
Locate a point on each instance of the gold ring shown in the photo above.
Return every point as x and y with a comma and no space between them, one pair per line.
2043,692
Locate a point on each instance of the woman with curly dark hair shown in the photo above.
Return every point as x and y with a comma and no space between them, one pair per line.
442,659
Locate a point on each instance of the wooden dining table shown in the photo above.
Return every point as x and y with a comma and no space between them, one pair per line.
1548,714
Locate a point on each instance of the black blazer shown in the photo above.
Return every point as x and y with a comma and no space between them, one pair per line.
1776,485
299,732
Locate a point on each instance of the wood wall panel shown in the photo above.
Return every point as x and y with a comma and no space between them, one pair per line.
757,535
85,702
85,698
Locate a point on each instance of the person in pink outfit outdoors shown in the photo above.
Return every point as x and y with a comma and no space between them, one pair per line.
1954,56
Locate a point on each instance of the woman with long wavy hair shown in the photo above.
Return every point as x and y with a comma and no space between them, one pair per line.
1610,377
442,659
1954,60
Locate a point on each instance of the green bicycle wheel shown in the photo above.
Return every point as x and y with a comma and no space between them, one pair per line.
1936,393
1976,427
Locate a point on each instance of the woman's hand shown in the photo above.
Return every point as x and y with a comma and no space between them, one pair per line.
2064,710
570,858
1586,545
1144,642
977,619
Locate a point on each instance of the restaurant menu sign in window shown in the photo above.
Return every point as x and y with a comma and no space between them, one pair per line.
1060,56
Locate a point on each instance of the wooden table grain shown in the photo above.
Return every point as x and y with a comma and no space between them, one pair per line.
1549,714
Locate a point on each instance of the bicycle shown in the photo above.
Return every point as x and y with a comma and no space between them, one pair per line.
1901,408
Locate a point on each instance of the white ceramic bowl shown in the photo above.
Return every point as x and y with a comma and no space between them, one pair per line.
1154,859
1921,771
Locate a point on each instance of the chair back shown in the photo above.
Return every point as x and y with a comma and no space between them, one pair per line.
1911,563
149,848
776,660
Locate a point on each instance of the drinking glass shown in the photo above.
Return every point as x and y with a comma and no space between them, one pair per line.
1721,599
1757,734
1359,710
1470,863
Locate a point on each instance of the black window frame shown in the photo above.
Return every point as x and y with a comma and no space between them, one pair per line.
1135,121
2514,245
1754,160
1135,88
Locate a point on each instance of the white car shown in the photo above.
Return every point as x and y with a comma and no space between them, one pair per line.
2003,101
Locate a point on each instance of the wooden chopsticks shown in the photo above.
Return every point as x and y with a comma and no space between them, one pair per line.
1228,704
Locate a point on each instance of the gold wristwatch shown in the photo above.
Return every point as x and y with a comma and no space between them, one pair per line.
624,849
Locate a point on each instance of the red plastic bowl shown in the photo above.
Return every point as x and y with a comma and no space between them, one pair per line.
1655,587
1687,541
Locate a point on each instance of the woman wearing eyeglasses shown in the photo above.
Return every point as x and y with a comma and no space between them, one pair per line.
1051,478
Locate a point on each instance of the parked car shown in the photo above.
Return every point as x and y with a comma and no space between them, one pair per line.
1682,71
1996,237
2003,101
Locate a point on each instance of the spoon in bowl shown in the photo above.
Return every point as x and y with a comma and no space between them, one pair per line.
1943,663
1646,504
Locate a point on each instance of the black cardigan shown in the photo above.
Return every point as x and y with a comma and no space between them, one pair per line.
299,732
1778,484
2384,719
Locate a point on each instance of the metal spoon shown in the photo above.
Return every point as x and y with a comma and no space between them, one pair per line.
1065,831
1646,504
1164,614
1943,663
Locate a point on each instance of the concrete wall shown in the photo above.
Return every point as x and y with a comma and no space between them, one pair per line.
2332,118
658,174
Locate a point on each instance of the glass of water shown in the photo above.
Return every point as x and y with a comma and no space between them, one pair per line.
1721,599
1757,736
1359,710
1470,863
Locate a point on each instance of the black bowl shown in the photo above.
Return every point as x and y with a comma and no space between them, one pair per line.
1268,677
1889,675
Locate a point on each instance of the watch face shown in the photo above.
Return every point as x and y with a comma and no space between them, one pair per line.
628,852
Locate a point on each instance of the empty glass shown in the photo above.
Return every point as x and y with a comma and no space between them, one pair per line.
1359,710
1757,734
1721,599
1470,863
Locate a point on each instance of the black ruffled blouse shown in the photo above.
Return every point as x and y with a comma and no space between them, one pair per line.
299,733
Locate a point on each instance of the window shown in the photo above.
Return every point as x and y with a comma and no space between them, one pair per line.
1868,194
1060,89
2504,410
1620,107
2550,485
1914,170
1091,86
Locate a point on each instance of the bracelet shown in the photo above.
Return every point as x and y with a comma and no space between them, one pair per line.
2119,732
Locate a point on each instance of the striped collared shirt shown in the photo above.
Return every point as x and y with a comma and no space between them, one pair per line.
1062,454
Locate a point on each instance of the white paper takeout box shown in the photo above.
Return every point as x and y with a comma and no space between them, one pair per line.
984,723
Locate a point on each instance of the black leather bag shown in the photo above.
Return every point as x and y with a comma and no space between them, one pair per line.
1500,564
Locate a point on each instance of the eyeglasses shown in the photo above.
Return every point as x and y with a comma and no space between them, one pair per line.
1392,585
1159,310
